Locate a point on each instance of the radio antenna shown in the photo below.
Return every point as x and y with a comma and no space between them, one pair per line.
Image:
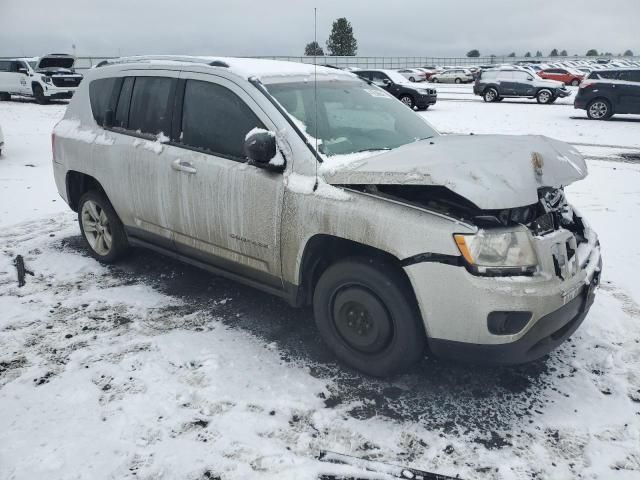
315,86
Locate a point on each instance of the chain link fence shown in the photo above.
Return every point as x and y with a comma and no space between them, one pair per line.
87,62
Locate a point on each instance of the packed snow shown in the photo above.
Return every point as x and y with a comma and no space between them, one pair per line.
152,369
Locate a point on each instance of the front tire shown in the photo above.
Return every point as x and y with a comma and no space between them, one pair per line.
599,109
366,314
38,94
407,100
490,95
544,96
102,230
458,80
412,79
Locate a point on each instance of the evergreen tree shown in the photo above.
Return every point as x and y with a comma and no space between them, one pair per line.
538,53
512,55
564,53
473,53
313,49
527,55
628,53
592,53
341,41
554,53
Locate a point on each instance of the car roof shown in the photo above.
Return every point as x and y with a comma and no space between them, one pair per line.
243,67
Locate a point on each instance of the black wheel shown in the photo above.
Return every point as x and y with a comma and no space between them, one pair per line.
490,95
458,80
434,80
599,109
38,93
5,97
544,96
101,228
412,79
366,313
407,100
575,82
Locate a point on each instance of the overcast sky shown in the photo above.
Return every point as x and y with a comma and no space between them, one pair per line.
282,27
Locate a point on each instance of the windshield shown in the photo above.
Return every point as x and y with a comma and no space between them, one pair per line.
351,117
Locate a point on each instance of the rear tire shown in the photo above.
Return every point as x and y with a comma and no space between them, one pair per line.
458,80
412,79
366,314
434,80
490,95
102,230
599,109
544,96
38,94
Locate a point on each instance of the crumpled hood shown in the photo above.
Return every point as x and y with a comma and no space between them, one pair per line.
492,171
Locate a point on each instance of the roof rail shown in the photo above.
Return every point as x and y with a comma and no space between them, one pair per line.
173,58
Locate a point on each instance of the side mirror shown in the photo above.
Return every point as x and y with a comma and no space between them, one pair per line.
260,149
530,79
109,117
386,82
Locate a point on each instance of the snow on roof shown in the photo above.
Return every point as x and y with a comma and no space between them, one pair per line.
244,67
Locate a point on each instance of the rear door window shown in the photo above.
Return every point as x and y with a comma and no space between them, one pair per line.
4,65
216,120
150,110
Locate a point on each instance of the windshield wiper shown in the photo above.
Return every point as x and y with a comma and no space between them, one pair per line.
373,149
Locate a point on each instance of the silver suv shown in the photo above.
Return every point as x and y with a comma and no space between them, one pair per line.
401,239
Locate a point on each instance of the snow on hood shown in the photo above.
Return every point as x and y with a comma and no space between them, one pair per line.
492,171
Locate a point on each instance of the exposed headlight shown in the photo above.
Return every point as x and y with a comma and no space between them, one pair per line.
498,252
46,79
422,92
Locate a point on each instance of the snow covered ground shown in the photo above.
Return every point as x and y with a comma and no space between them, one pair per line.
152,369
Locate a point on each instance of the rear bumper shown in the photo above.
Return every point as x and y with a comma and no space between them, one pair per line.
546,335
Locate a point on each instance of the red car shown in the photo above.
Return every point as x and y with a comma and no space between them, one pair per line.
560,74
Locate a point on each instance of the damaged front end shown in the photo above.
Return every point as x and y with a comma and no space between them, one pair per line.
501,247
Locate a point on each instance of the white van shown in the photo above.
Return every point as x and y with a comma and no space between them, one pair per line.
401,238
49,77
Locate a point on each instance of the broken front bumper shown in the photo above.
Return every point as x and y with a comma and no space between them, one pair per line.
456,306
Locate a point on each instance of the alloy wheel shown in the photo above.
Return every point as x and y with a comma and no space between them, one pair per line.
95,225
598,110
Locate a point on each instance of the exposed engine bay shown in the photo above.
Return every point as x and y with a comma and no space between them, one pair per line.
549,214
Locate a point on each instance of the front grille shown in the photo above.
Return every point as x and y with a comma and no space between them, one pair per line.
66,81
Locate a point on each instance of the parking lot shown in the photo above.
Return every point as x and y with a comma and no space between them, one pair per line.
133,366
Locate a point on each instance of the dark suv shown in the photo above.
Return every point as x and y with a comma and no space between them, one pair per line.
494,85
607,92
410,94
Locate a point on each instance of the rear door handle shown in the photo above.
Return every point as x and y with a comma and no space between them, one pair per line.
183,166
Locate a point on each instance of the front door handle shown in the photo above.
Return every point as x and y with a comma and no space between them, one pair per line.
183,166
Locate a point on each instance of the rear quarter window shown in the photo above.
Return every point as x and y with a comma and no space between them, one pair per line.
101,96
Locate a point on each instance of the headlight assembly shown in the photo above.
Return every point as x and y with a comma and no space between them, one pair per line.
498,252
46,79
